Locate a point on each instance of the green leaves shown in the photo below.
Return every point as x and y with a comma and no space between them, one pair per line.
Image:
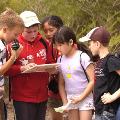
81,15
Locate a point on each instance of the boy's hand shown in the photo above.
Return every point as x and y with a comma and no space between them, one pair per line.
16,53
107,98
28,66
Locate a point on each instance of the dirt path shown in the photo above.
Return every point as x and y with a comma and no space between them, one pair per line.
10,111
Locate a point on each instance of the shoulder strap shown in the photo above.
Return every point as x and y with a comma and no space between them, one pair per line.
83,67
54,54
44,43
60,58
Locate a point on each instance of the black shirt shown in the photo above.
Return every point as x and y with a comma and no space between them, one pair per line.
107,80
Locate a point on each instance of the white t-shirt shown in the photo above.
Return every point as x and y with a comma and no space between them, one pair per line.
74,76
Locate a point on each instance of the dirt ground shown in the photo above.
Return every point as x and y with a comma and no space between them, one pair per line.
10,111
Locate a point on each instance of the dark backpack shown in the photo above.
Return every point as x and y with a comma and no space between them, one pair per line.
53,84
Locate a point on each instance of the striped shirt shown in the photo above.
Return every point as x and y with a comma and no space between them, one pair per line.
2,59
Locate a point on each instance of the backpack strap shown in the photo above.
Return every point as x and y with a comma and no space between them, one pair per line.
44,43
83,68
54,55
60,58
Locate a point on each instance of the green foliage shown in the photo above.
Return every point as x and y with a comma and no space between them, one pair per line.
81,15
3,4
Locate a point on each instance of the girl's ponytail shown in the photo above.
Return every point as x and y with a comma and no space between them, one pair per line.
84,48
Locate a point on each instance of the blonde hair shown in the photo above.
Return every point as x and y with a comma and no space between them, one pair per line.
10,19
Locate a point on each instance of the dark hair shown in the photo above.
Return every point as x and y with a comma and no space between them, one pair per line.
65,34
52,20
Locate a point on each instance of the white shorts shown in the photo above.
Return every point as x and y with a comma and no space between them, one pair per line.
86,104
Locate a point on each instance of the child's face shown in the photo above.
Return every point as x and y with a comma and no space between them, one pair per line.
12,34
94,47
64,48
30,33
49,31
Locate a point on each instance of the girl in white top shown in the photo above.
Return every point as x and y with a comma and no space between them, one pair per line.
75,86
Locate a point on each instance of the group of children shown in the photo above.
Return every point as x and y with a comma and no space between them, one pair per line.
87,85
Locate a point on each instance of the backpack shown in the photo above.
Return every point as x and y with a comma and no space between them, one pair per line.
53,84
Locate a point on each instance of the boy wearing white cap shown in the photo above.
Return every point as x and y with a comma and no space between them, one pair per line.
29,90
107,71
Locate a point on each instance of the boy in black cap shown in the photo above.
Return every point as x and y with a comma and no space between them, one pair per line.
107,71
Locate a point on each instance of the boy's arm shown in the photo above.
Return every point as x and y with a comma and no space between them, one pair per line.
14,69
118,72
108,98
14,55
17,69
7,65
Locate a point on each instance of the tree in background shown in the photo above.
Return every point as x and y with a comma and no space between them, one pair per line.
81,15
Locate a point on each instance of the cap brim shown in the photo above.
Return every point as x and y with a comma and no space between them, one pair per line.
28,24
84,39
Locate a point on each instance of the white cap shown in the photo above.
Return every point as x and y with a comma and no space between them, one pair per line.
29,18
87,37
